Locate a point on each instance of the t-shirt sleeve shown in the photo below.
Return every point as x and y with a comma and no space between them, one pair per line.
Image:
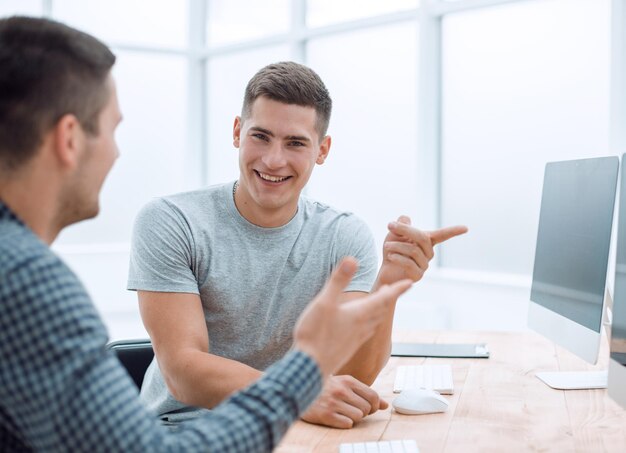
162,251
355,239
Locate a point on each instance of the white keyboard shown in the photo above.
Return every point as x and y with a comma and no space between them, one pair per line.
434,377
387,446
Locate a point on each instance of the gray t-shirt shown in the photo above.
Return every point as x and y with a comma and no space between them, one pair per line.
253,282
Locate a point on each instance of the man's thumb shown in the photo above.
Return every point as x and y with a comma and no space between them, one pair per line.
341,277
404,219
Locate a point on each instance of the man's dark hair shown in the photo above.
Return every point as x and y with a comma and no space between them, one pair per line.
290,83
47,70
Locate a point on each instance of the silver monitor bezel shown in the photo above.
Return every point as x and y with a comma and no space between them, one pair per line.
576,338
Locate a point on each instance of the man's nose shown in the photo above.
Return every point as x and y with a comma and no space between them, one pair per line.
275,156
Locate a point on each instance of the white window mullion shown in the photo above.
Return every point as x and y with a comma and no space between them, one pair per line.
429,117
618,77
46,8
196,165
298,24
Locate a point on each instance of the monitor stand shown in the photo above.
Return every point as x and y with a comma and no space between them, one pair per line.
574,380
584,380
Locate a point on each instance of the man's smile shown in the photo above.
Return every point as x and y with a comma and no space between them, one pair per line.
271,178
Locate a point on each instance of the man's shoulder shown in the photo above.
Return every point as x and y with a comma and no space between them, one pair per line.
192,199
187,203
20,249
316,207
203,194
30,269
323,214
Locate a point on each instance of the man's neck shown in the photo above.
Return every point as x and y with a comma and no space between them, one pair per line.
266,218
32,204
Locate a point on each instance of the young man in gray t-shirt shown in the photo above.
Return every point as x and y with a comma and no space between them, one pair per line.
223,273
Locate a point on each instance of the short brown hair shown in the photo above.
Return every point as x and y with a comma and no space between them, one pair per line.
290,83
47,70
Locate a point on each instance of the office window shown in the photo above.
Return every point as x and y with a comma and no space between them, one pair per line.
327,12
136,22
523,84
372,162
227,78
242,20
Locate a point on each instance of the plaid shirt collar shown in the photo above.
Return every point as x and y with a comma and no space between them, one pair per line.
7,214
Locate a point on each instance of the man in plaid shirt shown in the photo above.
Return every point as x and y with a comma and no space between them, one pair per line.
60,389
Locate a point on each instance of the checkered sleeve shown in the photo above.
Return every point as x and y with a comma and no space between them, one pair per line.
257,418
61,390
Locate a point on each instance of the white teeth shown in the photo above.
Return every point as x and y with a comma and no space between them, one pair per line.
272,178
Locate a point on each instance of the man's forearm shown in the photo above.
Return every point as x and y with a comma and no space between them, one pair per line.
256,418
205,380
371,358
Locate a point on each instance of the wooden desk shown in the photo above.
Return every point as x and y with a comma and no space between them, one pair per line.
498,404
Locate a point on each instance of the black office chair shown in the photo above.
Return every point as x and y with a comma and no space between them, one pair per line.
135,355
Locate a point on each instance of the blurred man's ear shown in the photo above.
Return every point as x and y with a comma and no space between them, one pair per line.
237,131
68,140
323,150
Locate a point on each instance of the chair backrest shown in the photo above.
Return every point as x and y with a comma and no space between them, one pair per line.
135,355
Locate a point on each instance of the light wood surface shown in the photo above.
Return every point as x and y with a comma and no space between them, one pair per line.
498,404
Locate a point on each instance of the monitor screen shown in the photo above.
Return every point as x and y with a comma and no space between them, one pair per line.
573,239
617,362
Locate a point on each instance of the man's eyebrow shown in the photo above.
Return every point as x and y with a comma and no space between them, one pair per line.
260,129
298,137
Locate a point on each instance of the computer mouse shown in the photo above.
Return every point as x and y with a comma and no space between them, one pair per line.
419,401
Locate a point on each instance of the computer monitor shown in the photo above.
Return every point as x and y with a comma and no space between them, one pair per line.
571,259
617,343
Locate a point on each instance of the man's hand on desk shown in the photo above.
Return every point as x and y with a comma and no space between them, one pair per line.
407,250
344,401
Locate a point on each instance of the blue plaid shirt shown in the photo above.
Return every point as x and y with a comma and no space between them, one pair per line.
61,390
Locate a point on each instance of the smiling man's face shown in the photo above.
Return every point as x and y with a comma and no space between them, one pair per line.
278,148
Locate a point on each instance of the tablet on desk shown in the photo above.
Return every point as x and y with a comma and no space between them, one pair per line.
440,350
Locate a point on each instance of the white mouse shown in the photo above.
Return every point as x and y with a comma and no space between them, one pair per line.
419,401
